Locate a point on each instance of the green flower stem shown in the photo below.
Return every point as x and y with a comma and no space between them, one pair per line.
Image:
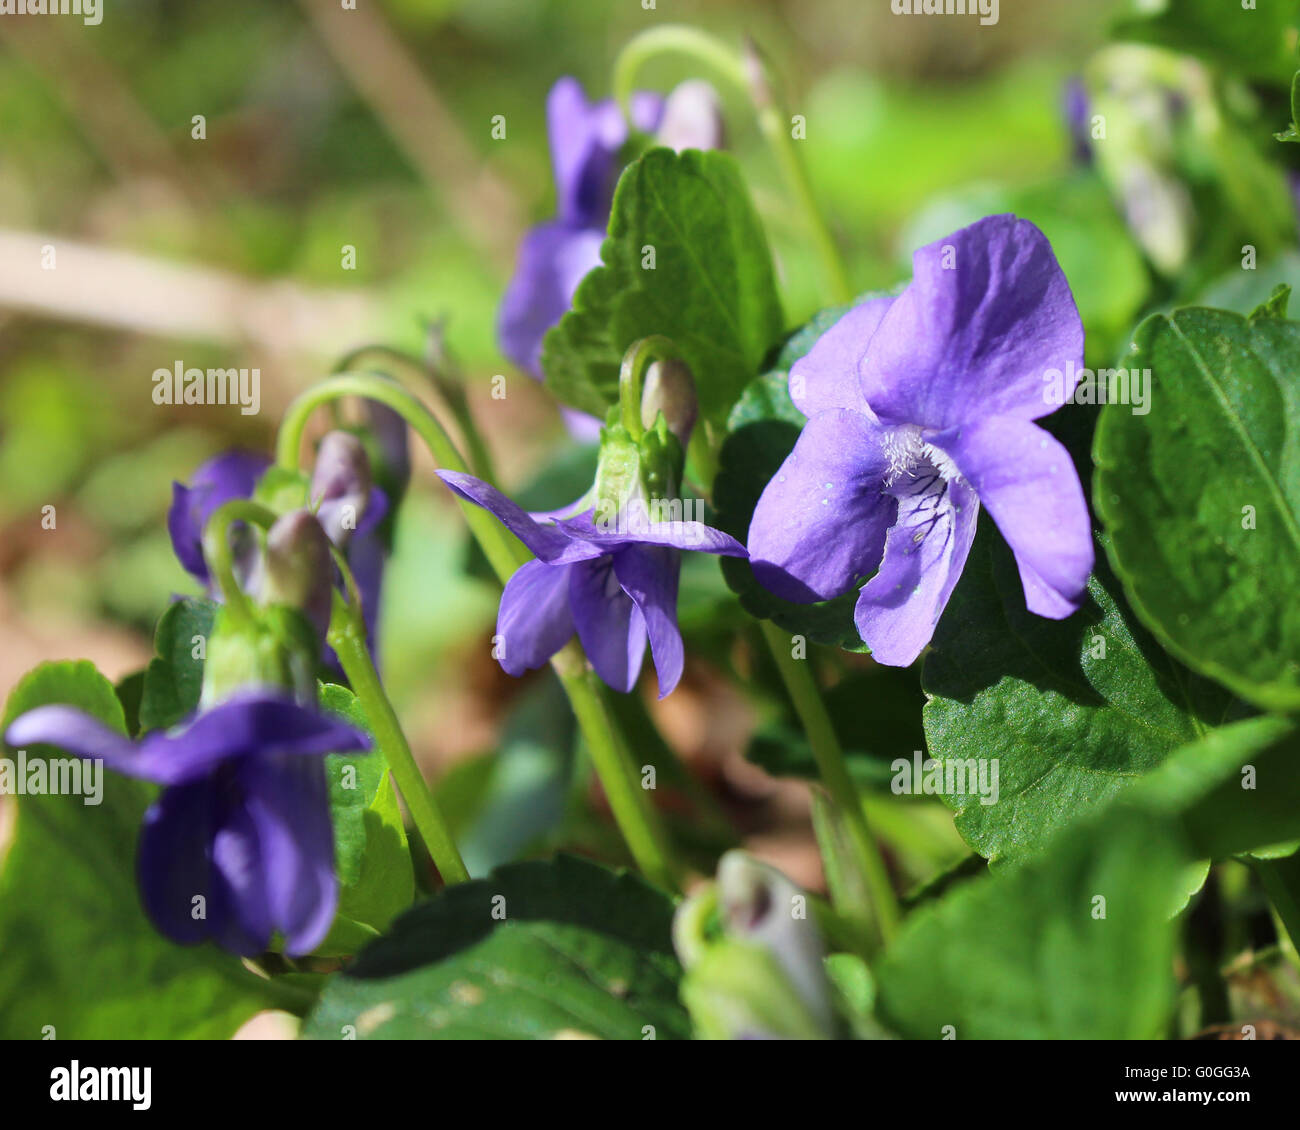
746,73
835,776
503,549
348,639
1281,881
383,357
217,552
775,125
615,767
637,819
347,636
631,374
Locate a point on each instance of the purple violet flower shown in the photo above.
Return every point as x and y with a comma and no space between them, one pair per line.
615,586
243,820
339,480
224,477
586,139
921,408
1076,108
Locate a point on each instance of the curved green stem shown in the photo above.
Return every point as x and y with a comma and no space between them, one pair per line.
217,551
746,73
835,776
776,128
503,550
630,375
451,391
637,819
673,39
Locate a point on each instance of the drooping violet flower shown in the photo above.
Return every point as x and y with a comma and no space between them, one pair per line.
1076,108
614,584
340,485
586,139
352,510
239,844
223,478
920,409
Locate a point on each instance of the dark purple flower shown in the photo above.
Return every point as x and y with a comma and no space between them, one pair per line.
920,409
352,512
1077,109
616,587
389,429
340,485
242,823
341,480
586,139
224,477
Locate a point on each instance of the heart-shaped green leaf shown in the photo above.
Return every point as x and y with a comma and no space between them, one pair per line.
686,257
1072,710
554,950
1201,497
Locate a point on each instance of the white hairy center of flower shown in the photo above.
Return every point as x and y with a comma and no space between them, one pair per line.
908,453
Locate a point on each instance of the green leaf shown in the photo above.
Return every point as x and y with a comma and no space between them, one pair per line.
524,796
1246,291
1072,710
1254,42
1235,790
1292,132
1201,497
173,680
1281,880
711,289
553,950
130,693
1024,955
1038,965
373,861
1275,305
79,954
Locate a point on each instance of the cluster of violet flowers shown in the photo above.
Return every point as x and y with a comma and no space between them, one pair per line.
921,409
239,845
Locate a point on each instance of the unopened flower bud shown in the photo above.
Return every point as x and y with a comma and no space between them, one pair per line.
762,975
758,903
299,571
669,388
692,118
340,485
